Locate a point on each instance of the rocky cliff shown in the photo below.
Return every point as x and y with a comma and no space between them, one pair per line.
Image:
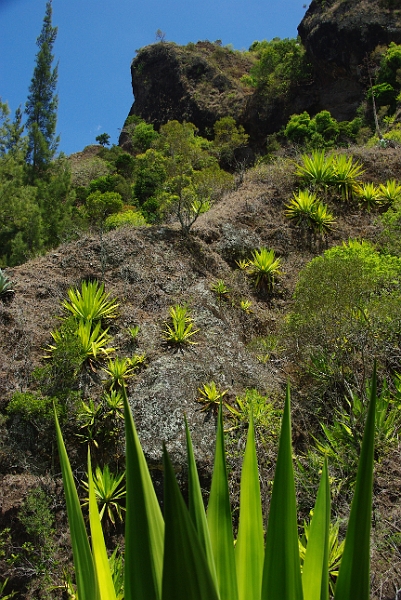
201,82
339,36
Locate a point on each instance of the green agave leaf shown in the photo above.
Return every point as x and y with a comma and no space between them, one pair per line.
219,521
315,574
281,571
186,574
196,507
249,549
83,561
102,567
353,581
144,525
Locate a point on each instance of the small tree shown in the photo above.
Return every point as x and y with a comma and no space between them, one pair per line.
103,139
41,106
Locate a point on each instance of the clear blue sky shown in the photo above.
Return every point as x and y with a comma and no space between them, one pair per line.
96,43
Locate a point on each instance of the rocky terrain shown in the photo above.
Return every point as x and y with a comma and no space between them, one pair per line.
201,82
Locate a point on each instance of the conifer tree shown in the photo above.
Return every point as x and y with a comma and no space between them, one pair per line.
41,106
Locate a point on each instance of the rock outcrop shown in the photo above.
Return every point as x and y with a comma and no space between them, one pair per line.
201,83
339,36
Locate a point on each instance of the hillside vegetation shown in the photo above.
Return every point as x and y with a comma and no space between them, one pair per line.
198,265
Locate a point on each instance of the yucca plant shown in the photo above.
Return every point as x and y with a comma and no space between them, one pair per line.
118,371
91,303
180,329
110,493
264,268
369,195
309,213
6,286
220,289
346,175
211,395
91,338
189,554
390,192
316,169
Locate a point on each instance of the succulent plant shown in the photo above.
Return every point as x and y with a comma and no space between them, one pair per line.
6,286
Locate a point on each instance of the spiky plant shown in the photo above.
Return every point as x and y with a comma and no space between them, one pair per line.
6,286
316,169
369,196
346,175
110,493
390,192
91,303
263,268
180,329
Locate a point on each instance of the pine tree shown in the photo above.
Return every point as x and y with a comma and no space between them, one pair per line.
42,103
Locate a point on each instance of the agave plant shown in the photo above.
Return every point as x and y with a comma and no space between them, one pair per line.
189,553
180,330
119,370
93,340
91,303
6,287
110,493
211,395
220,289
346,175
390,192
263,268
369,195
309,213
317,169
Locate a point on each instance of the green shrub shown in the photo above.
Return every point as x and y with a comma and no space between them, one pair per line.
31,407
128,217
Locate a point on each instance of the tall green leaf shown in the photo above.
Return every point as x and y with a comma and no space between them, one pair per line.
315,573
196,506
353,581
249,550
83,562
186,574
102,567
219,521
281,571
144,526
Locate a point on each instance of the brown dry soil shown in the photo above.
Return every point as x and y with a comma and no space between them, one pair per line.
148,270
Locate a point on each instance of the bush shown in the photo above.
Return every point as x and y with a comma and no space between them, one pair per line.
128,217
347,309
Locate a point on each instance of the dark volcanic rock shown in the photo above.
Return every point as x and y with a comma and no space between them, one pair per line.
339,36
198,83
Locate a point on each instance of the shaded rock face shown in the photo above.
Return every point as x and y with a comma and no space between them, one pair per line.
339,36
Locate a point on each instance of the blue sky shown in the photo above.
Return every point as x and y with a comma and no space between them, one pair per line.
97,40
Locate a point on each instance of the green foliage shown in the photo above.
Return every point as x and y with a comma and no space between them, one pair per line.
220,289
6,286
316,169
110,493
142,134
103,139
389,237
263,268
255,405
100,205
228,137
119,370
345,306
180,329
322,130
189,553
211,395
390,192
112,183
309,213
127,217
32,407
42,102
91,302
368,195
281,64
346,175
388,84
